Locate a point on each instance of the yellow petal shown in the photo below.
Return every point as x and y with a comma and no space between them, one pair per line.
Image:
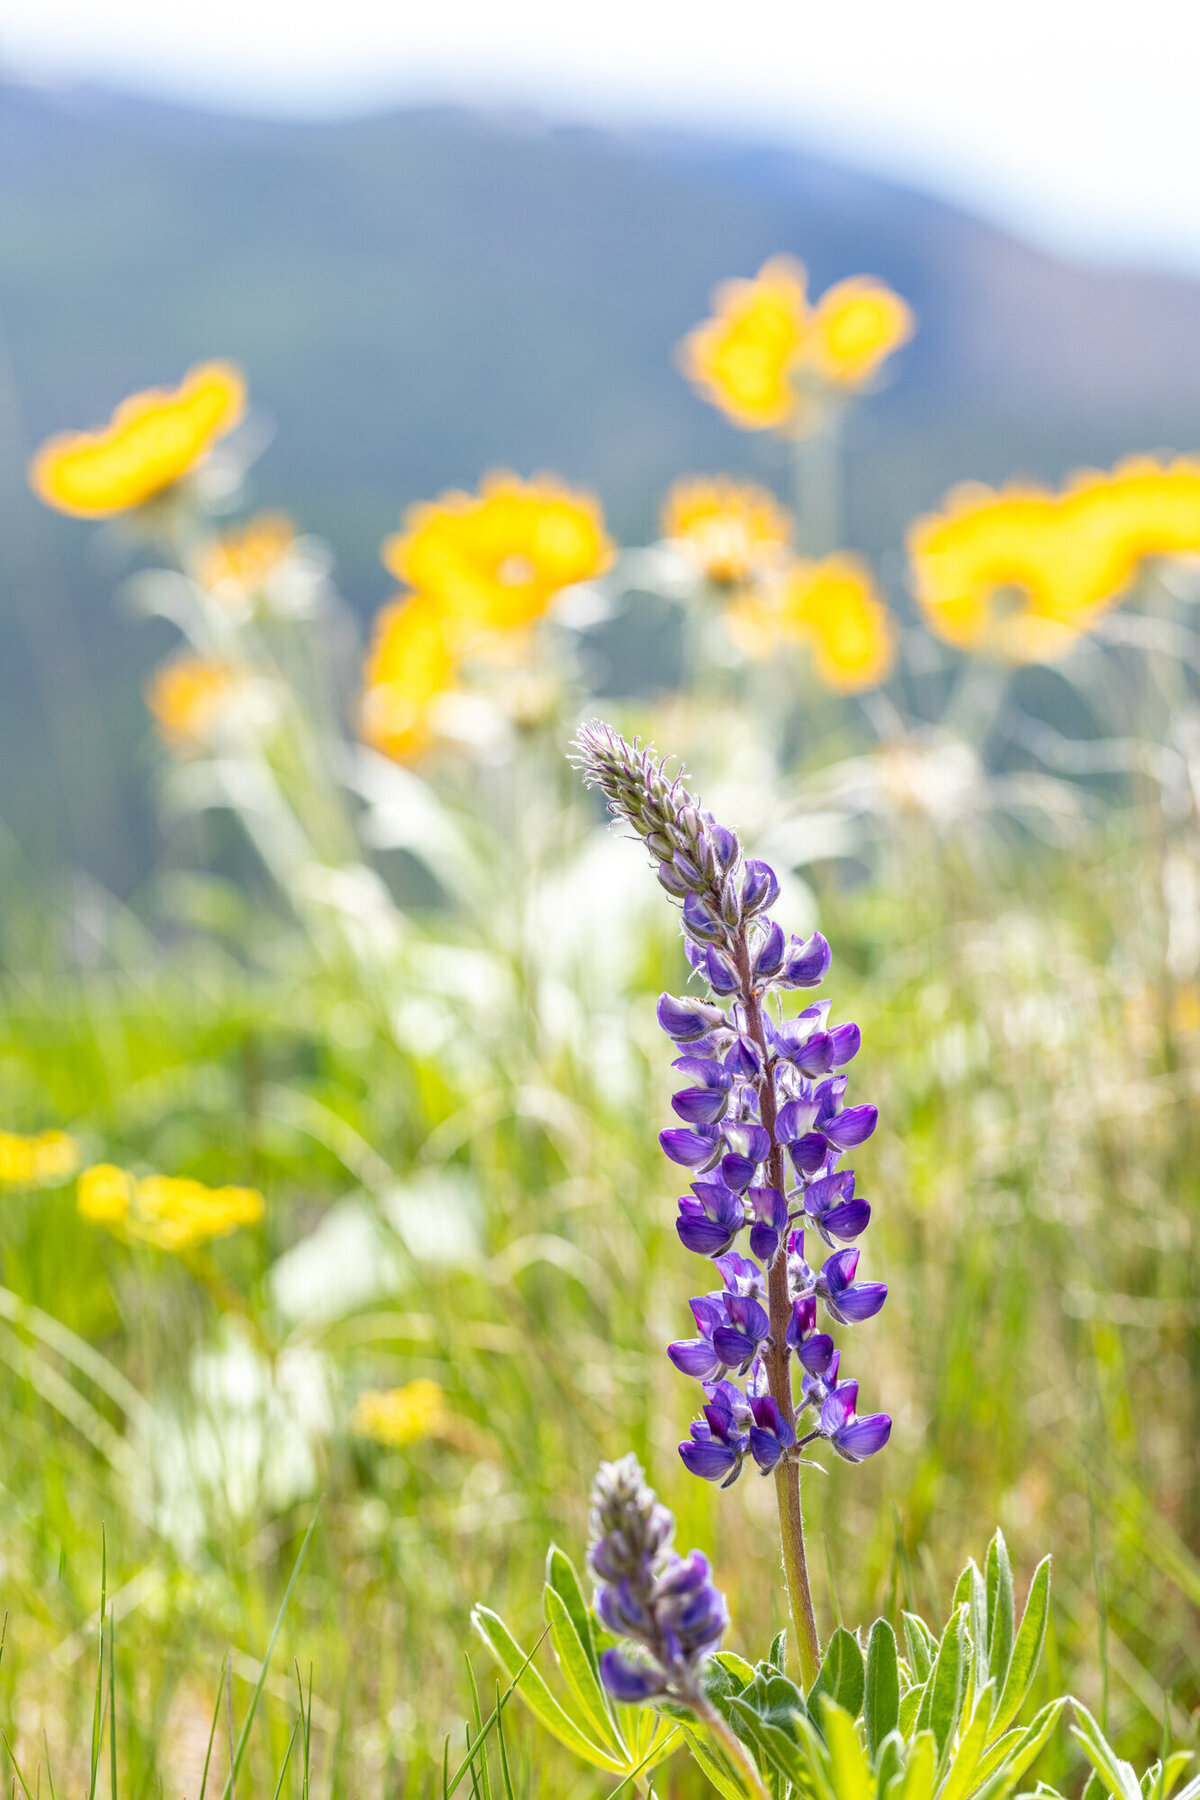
152,440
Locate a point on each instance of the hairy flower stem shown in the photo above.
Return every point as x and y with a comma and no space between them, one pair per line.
779,1306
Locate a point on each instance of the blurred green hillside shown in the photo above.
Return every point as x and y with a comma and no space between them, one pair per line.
419,295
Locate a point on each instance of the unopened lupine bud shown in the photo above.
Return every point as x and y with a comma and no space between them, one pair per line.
663,1603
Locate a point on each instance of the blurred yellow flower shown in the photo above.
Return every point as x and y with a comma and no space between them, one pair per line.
248,555
856,326
1023,572
409,665
400,1416
152,439
47,1157
169,1212
741,359
496,559
732,530
187,696
768,358
833,608
835,605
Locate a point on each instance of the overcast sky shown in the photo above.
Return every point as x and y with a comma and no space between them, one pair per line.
1075,120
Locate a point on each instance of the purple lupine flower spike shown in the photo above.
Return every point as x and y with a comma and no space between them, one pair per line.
763,1125
664,1603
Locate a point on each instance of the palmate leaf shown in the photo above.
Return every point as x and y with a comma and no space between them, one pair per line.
570,1731
579,1675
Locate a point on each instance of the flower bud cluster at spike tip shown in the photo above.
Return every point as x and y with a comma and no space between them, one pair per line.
664,1603
762,1127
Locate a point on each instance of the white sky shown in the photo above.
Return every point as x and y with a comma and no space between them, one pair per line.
1074,120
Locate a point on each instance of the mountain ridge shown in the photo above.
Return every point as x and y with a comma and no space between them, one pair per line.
419,294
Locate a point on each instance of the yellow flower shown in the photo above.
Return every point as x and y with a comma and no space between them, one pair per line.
732,530
169,1212
742,358
496,559
47,1157
856,326
832,607
247,556
152,440
1023,572
400,1416
835,605
768,359
409,665
187,696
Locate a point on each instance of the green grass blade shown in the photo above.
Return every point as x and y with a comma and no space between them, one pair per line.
244,1734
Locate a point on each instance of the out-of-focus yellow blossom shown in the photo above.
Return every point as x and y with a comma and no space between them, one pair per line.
732,530
401,1416
742,358
152,439
187,696
768,358
856,326
40,1160
410,664
1023,572
834,608
167,1211
248,556
496,559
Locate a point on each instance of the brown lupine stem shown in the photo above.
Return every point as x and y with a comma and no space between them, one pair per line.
779,1308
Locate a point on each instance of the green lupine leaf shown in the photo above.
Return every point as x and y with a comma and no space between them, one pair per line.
1172,1769
943,1700
777,1655
978,1617
850,1771
1026,1651
537,1696
1012,1754
881,1693
1001,1608
922,1768
579,1676
774,1745
889,1762
561,1576
1191,1791
1118,1777
775,1697
713,1763
962,1587
735,1667
922,1647
961,1775
910,1707
841,1673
